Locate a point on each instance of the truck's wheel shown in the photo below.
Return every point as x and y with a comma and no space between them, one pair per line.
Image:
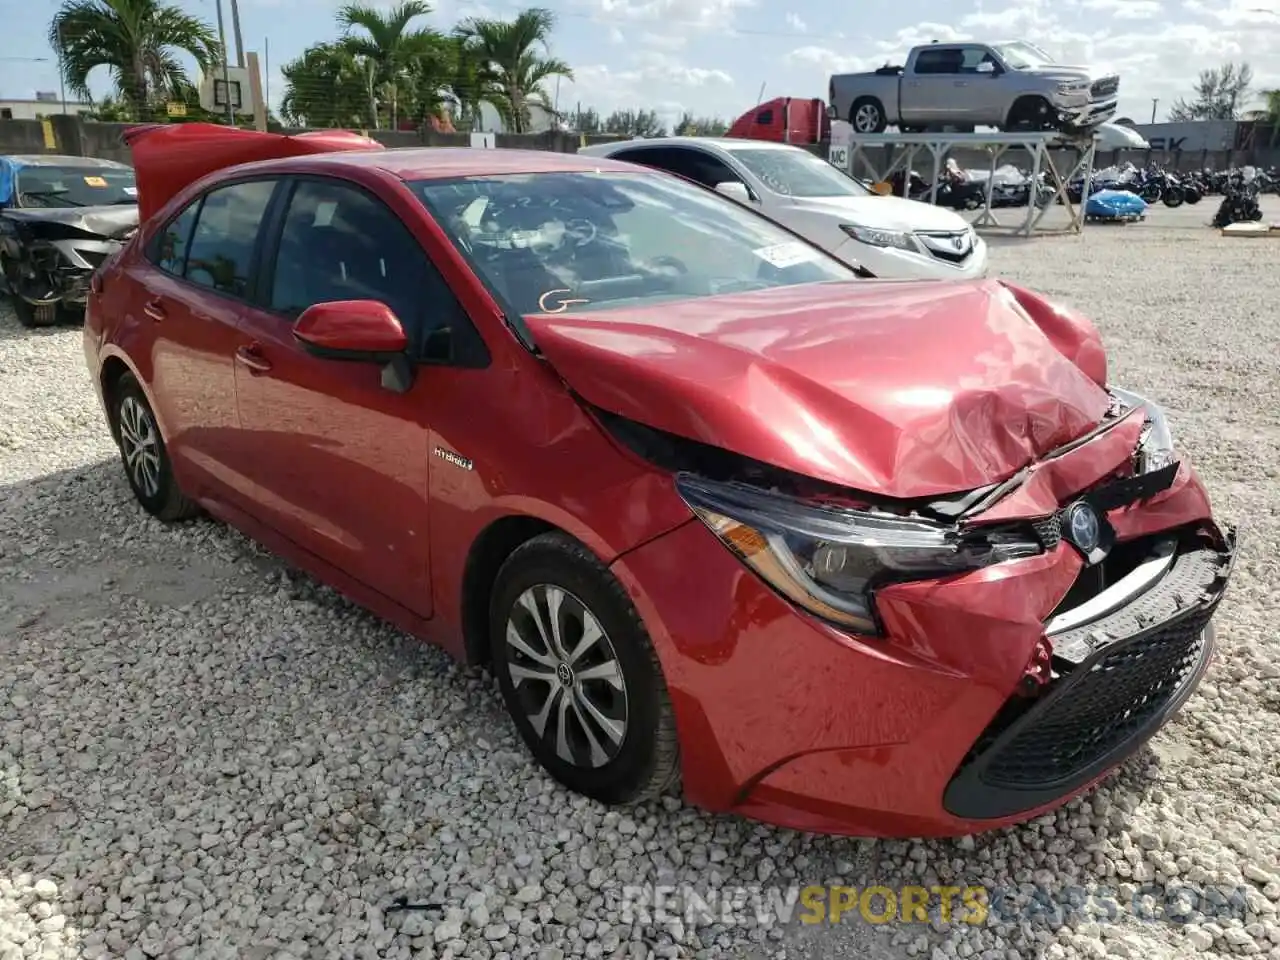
1031,113
867,115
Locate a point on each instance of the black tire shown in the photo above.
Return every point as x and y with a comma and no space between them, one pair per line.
867,116
645,764
1173,197
36,315
1031,113
130,414
1192,195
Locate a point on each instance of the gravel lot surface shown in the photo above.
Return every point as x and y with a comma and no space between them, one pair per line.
204,754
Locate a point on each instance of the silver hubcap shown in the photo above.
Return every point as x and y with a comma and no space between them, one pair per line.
140,444
566,676
866,118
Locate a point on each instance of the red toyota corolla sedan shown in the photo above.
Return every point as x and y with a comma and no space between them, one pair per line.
845,555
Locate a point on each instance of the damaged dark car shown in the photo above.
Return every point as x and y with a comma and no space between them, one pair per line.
60,219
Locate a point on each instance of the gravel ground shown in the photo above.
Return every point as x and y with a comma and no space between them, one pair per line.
204,754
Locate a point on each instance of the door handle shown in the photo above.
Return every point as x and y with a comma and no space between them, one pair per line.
154,309
251,357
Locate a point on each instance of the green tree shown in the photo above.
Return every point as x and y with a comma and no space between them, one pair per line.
515,62
400,57
327,86
138,41
1220,94
691,126
635,123
586,121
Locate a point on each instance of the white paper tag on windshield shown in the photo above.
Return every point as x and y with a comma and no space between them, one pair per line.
783,255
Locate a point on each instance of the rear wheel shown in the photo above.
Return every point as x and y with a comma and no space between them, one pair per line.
867,115
146,459
579,675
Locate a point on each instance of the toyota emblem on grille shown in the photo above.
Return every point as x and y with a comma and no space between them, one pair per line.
957,242
1085,529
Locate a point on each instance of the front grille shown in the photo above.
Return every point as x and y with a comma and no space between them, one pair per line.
1049,531
1126,674
1106,87
1113,699
943,245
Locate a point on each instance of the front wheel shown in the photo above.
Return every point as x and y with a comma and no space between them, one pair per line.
146,459
1173,197
579,675
35,314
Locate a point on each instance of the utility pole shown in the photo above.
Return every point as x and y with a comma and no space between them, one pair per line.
226,71
235,28
1155,102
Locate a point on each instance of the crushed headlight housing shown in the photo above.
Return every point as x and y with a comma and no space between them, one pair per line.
829,560
1155,444
881,238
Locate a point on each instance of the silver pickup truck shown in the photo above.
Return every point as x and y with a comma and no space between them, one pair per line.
1011,85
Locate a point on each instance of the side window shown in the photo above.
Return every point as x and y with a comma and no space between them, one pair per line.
169,252
972,56
220,254
340,243
765,117
935,61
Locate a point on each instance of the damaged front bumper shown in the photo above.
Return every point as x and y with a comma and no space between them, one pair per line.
988,697
1123,662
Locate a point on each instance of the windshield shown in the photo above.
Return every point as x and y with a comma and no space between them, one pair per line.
50,186
797,173
582,242
1023,56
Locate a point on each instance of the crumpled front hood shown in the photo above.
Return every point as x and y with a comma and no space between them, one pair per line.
111,222
903,389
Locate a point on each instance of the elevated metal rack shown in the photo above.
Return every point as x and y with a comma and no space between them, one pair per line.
1040,146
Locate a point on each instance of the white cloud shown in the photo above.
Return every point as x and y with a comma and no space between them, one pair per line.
796,24
1125,9
653,81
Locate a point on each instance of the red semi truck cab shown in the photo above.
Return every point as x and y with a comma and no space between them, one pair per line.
784,120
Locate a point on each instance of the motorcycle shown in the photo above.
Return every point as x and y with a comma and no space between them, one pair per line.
1239,202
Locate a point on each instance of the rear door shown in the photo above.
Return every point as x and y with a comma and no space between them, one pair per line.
932,90
188,289
339,462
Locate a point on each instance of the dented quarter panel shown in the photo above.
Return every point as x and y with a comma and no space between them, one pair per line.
900,388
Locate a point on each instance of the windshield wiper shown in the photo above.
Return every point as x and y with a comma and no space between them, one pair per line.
52,195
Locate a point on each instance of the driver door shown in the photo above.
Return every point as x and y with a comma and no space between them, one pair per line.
339,462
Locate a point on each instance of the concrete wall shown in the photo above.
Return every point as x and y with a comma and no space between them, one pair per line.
88,138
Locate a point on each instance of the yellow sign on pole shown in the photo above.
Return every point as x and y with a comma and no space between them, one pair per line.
50,141
176,109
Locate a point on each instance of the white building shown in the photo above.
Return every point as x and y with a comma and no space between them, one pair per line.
45,104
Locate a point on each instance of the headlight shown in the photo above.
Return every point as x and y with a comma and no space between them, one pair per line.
830,560
1073,86
880,238
1155,445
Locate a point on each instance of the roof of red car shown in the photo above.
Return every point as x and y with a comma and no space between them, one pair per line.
437,163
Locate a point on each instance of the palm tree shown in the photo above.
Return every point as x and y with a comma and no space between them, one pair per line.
393,50
512,51
327,86
137,40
